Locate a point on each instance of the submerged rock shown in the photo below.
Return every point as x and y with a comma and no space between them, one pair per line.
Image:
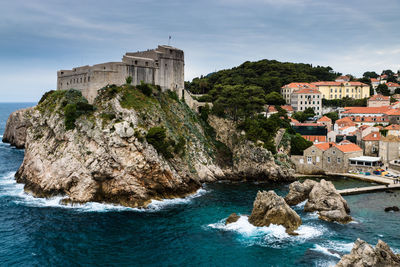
269,208
17,124
394,208
331,206
363,254
298,192
232,218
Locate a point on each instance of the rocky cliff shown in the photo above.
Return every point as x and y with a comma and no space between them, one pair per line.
16,126
128,148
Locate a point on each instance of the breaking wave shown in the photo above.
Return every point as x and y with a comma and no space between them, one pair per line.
9,187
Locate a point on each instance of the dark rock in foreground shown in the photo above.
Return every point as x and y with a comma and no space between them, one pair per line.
269,208
232,218
364,254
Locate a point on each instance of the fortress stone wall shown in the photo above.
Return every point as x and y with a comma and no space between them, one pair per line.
163,66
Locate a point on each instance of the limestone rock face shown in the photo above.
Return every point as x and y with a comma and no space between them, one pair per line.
298,192
250,161
232,218
16,126
269,208
364,254
331,206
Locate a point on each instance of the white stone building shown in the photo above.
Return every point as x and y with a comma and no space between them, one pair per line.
307,98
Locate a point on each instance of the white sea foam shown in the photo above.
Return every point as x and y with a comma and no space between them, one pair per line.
271,236
9,187
325,251
301,204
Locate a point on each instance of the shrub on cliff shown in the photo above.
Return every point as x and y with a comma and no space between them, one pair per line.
74,105
45,95
156,136
145,88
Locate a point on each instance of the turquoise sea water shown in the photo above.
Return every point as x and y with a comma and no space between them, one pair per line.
182,232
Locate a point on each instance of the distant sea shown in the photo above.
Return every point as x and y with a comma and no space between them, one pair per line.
180,232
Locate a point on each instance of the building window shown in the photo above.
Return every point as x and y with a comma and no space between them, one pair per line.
88,79
313,151
338,160
309,160
329,159
317,159
301,161
333,152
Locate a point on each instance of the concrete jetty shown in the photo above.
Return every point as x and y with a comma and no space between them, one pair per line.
368,189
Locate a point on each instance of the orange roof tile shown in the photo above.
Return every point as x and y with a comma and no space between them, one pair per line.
324,146
379,97
391,84
393,112
328,83
374,136
314,138
307,91
294,120
373,80
325,118
392,127
367,110
346,148
287,107
298,85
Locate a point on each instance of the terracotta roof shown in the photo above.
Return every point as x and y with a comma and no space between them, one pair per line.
346,148
374,136
307,91
298,85
393,112
294,120
346,121
379,97
390,84
287,107
315,138
392,127
328,83
367,110
325,118
363,127
373,80
309,124
271,108
324,146
343,77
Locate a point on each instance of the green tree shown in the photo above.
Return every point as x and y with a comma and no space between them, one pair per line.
274,98
128,80
370,74
333,116
298,144
383,89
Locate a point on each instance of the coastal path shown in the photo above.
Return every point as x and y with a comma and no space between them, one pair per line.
368,189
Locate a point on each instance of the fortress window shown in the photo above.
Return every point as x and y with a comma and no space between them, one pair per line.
157,64
104,67
62,72
170,51
147,63
88,79
165,65
135,62
81,80
84,80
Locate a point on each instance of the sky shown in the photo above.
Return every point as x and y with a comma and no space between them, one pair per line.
37,38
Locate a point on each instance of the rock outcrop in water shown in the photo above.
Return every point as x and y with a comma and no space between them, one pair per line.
298,192
322,197
232,218
269,208
16,127
129,148
363,254
331,206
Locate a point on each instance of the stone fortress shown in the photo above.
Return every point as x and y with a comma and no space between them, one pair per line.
163,66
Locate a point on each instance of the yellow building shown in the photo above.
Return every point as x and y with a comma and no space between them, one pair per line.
338,90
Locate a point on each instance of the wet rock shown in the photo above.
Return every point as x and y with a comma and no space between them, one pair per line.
394,208
269,208
16,127
329,204
298,192
364,254
232,218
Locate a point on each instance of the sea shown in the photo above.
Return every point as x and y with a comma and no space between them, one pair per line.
180,232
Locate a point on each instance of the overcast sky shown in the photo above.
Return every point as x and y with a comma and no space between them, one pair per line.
37,38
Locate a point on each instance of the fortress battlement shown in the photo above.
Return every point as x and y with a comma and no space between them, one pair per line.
163,66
